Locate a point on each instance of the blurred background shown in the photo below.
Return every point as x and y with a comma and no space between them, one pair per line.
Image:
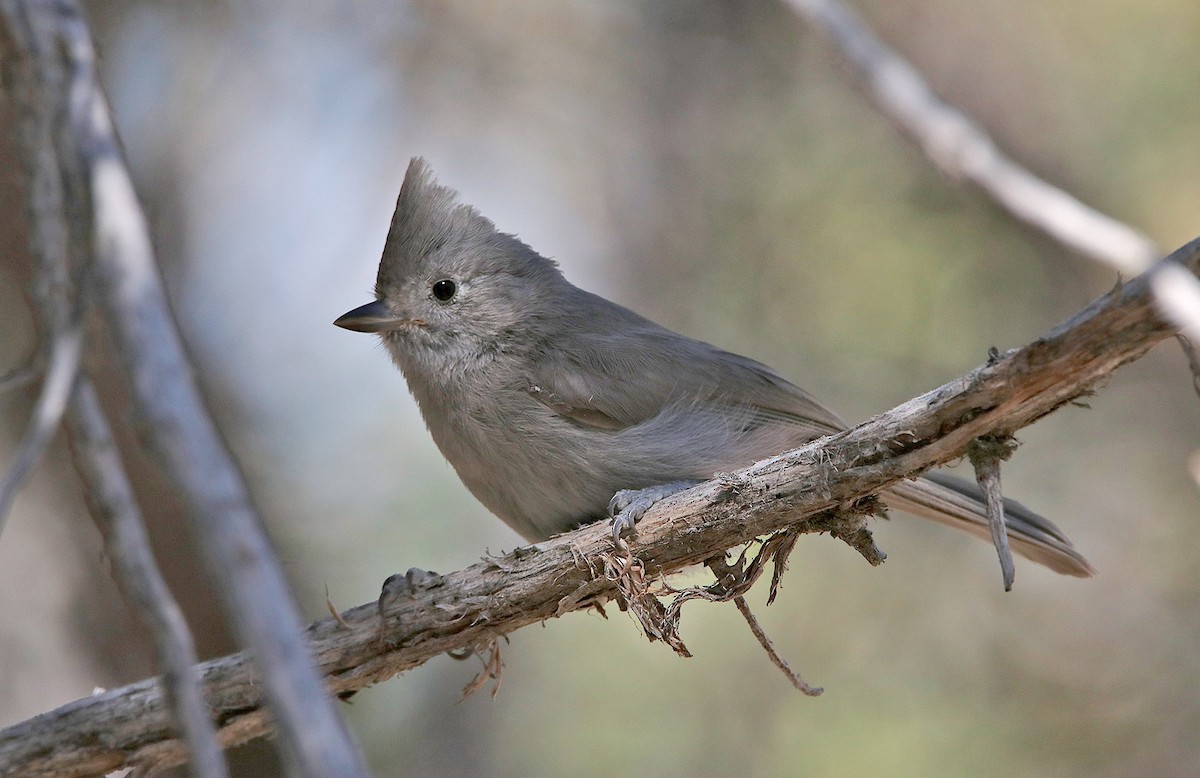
714,166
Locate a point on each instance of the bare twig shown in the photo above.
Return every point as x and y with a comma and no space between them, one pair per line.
497,596
492,670
51,64
986,454
780,560
801,685
333,611
1178,295
1193,359
66,350
961,149
22,375
55,239
855,533
57,225
734,580
120,521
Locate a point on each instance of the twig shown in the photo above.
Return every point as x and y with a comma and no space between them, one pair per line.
985,454
120,521
496,597
492,670
1193,359
333,611
769,647
856,534
734,580
51,63
961,149
1178,295
54,240
66,350
779,562
20,376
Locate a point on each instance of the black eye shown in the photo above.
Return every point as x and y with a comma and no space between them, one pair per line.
444,290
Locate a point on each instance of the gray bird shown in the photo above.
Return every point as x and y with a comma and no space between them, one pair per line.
549,400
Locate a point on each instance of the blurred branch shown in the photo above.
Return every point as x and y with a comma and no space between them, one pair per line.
66,349
1189,351
961,149
805,490
59,221
18,377
54,239
66,136
115,509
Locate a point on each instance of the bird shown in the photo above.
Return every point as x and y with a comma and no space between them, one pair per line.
558,408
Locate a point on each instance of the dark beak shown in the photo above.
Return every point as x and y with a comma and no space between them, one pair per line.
372,317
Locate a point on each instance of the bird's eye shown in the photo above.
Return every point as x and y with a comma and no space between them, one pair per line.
444,290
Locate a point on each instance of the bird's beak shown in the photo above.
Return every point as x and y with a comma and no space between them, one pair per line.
372,317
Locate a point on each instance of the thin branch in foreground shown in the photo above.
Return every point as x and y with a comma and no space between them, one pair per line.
463,609
52,238
961,149
119,519
51,65
66,352
21,375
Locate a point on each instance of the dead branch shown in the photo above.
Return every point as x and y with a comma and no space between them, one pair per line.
66,352
55,239
112,502
985,454
961,149
89,211
803,490
799,683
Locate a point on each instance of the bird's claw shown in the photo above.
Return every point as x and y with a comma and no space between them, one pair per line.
628,506
403,584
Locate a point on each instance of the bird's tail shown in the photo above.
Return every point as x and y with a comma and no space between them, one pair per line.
957,503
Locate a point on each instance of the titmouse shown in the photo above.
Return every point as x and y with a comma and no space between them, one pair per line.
549,400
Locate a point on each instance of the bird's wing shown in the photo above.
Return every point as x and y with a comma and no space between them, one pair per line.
615,380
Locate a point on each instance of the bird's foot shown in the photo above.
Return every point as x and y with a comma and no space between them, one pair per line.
401,585
629,505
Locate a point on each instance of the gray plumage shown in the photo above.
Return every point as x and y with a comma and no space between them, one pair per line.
548,399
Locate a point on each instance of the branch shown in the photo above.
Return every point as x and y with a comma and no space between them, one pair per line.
20,376
51,69
802,490
115,509
985,454
54,239
961,149
66,351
